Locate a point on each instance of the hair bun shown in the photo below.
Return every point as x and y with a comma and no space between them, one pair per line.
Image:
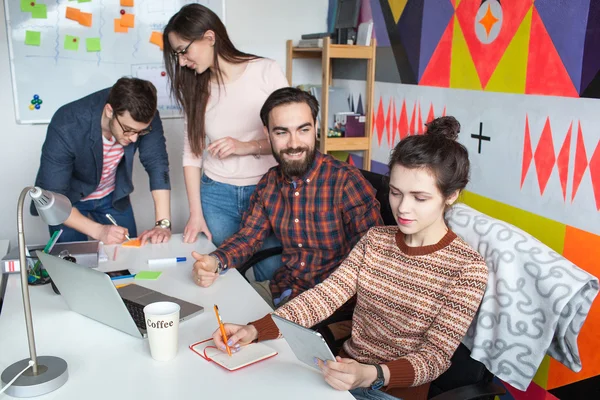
448,127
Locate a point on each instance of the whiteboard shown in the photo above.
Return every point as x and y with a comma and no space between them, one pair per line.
50,57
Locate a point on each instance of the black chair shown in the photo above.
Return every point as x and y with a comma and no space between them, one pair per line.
465,379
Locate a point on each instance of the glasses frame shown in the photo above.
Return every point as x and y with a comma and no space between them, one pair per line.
181,52
131,132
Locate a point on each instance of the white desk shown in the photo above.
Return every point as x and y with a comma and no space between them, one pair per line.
106,363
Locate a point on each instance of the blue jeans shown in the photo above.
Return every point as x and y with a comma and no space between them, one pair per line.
223,206
97,210
370,394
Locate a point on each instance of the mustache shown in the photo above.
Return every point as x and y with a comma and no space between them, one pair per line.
294,150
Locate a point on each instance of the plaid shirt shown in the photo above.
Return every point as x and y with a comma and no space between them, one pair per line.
318,220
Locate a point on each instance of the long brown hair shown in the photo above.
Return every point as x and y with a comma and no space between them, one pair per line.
192,91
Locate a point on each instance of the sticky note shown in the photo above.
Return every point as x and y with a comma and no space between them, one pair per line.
72,14
127,20
85,19
133,243
33,38
26,5
157,39
39,11
148,275
71,43
93,44
119,28
83,1
126,3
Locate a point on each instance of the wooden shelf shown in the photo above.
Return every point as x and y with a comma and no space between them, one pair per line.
326,53
335,51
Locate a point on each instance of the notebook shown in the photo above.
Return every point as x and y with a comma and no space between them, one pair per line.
248,355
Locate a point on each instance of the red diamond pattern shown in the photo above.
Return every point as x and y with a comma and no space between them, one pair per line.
391,122
581,162
394,126
595,173
380,121
562,161
544,156
388,120
527,153
403,123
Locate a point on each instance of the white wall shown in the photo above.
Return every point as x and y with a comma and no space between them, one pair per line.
258,26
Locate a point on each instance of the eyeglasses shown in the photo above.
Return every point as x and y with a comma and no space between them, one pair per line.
131,132
181,52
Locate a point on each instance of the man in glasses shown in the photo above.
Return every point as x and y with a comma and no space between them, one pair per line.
88,156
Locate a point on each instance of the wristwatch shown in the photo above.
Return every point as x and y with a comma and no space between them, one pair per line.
220,269
163,223
380,381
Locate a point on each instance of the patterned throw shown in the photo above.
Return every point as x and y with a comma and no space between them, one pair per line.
535,303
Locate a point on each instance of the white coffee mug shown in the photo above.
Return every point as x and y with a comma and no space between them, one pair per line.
162,325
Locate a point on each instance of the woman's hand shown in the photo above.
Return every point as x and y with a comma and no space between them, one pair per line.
347,374
195,225
227,146
238,335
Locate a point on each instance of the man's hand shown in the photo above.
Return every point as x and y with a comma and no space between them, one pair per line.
347,374
204,271
155,235
239,335
111,234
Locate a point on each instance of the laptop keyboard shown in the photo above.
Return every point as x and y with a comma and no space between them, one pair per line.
137,313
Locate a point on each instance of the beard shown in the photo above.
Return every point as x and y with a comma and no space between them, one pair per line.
295,168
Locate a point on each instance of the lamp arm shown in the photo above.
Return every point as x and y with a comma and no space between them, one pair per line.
24,280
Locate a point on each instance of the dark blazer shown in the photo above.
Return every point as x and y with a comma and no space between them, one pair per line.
72,154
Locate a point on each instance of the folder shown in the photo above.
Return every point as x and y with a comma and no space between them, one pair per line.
247,355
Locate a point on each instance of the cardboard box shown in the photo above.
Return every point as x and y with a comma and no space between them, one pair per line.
86,253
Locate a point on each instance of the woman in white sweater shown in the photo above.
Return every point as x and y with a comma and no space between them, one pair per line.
221,90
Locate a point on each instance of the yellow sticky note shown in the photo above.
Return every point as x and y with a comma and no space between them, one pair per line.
119,28
85,19
157,39
128,20
126,3
73,13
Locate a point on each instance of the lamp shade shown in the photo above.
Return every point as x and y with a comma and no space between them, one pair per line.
54,208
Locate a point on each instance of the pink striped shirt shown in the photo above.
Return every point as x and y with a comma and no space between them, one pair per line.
113,153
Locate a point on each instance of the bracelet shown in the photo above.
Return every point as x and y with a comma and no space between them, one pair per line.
257,156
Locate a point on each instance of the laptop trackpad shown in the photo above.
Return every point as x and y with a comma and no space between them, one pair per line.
134,292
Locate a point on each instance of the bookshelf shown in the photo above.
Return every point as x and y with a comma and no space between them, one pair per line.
327,53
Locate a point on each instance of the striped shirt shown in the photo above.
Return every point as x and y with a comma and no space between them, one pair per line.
413,305
112,155
318,219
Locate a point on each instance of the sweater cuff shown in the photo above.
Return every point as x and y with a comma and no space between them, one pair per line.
267,330
402,373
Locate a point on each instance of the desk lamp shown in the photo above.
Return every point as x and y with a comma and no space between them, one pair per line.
47,373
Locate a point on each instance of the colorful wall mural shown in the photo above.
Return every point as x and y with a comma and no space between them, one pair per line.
523,78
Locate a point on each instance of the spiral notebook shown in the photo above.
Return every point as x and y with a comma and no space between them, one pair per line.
248,355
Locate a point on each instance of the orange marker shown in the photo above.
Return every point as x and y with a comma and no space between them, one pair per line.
222,328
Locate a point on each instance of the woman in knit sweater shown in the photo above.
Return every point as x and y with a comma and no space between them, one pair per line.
418,285
221,91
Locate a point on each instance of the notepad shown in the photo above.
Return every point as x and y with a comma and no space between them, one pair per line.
247,355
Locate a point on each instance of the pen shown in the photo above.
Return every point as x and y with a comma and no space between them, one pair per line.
114,278
111,219
222,328
173,260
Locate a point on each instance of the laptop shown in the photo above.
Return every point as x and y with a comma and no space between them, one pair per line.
92,293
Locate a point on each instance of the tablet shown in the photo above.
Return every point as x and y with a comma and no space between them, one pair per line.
305,343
